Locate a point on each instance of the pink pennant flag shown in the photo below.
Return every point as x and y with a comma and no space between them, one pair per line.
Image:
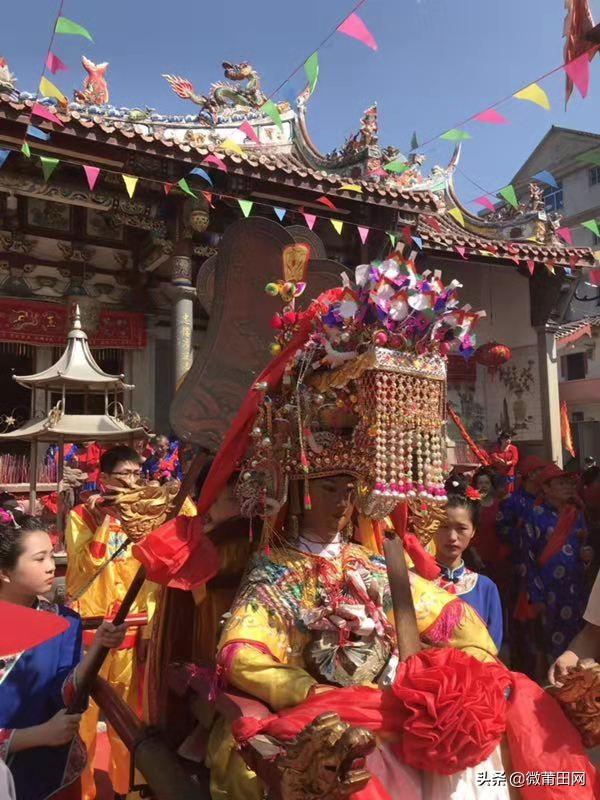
462,252
208,197
39,110
246,128
363,233
91,173
530,266
354,27
491,116
378,171
565,234
486,202
310,220
578,71
212,159
167,187
594,277
54,64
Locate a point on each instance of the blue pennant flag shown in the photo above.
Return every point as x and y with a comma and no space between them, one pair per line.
546,177
281,212
37,133
4,154
202,173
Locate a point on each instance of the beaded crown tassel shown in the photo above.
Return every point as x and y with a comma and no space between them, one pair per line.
365,394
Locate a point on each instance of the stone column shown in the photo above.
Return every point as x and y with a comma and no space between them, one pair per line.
182,321
549,395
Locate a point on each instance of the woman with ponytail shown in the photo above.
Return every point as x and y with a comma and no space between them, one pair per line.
451,540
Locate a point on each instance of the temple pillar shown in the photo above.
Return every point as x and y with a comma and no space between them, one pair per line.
549,395
182,320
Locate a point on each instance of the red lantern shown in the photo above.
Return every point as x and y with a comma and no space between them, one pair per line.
493,355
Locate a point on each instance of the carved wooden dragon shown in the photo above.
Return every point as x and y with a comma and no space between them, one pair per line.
95,87
223,95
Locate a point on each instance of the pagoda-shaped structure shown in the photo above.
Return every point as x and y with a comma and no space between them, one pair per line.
75,373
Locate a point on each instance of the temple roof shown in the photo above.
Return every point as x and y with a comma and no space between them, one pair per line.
75,370
75,427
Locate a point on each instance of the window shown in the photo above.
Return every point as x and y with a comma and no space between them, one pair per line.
574,366
553,198
594,176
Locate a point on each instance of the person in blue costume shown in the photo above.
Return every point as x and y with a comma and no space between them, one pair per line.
451,540
558,556
38,739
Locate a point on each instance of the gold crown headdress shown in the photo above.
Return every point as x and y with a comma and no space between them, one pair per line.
365,394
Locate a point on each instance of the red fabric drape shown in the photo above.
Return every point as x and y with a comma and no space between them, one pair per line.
564,527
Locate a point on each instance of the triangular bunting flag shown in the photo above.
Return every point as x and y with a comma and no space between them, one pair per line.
485,202
491,116
530,265
54,64
398,166
535,94
48,89
281,212
130,183
25,150
310,220
338,225
592,226
354,27
4,154
350,187
326,202
550,267
43,112
272,111
414,142
565,235
311,67
167,187
229,144
202,173
508,194
461,252
363,233
208,197
458,215
37,133
418,241
218,162
185,187
249,131
246,206
578,72
454,135
594,277
48,166
393,238
67,26
91,173
546,177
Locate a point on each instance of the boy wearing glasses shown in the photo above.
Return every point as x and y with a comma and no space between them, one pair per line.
93,537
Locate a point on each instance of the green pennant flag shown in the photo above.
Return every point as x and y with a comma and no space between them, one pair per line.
246,206
414,142
398,166
25,149
508,194
272,111
64,25
592,226
454,135
48,166
184,186
392,239
311,67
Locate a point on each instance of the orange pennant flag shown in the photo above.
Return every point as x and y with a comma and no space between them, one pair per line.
565,430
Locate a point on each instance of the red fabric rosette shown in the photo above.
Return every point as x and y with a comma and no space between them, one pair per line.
452,709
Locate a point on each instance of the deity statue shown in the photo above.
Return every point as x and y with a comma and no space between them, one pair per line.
7,79
95,88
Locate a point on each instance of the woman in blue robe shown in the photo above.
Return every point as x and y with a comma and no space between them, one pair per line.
38,739
451,540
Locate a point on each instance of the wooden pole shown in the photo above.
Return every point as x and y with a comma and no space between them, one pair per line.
85,686
405,618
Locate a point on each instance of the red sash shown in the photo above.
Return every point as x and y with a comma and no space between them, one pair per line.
564,528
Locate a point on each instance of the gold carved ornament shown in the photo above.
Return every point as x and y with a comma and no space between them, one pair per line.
579,696
141,509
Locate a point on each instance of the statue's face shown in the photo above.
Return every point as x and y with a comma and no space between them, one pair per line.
332,500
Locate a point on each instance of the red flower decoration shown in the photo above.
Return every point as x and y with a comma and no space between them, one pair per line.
452,709
472,494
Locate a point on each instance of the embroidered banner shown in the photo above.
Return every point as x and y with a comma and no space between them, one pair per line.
29,322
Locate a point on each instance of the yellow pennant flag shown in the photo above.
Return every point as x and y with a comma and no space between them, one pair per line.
130,184
229,144
535,94
48,89
338,225
351,187
458,215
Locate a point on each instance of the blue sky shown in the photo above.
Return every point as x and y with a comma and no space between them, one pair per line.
439,62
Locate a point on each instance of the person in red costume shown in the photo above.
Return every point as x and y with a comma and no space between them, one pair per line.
505,458
89,462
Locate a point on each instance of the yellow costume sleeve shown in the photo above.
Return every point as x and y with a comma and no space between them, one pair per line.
266,675
78,537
